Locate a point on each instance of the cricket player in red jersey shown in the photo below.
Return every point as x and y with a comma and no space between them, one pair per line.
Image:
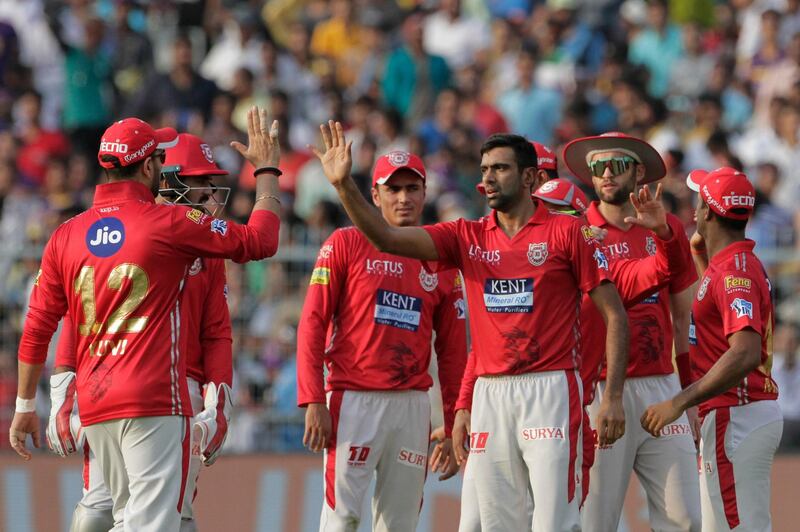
369,318
187,179
635,279
615,164
730,347
524,269
118,269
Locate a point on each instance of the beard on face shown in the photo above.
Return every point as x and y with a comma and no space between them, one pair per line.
621,195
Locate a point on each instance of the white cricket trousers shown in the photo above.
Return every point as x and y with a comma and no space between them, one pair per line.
381,434
144,462
666,466
94,512
737,447
526,439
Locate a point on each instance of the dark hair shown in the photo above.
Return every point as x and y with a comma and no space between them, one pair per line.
730,224
119,171
524,152
551,174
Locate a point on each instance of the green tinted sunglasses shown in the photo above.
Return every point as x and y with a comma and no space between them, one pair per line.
617,165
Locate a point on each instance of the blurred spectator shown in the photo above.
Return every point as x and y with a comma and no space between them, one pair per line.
786,372
341,39
87,88
772,226
37,145
434,131
690,73
413,78
238,46
132,55
181,93
530,110
769,52
453,35
657,47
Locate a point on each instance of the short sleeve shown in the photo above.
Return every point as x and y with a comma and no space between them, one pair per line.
738,297
589,263
445,237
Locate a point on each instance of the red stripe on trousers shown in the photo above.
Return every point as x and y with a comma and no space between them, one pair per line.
86,464
185,455
330,453
727,484
575,420
588,455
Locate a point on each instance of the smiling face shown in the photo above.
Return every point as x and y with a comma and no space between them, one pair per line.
616,189
401,199
502,180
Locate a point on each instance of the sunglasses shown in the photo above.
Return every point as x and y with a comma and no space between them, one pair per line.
617,165
161,155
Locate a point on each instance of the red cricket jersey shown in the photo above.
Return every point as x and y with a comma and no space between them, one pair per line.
734,295
523,292
369,317
118,269
635,279
650,321
206,326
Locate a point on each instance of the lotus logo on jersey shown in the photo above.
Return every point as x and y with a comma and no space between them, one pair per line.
429,281
742,307
650,247
105,237
384,267
537,253
207,153
489,257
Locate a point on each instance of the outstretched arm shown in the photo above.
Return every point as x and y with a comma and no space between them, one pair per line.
336,161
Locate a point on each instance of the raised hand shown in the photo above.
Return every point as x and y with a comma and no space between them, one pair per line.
337,159
263,148
650,212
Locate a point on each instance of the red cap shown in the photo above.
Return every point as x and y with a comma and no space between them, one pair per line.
562,192
725,190
191,156
387,165
545,157
132,140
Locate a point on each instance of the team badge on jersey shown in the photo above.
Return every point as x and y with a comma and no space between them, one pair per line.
429,281
537,253
105,237
600,258
650,246
701,292
742,307
197,265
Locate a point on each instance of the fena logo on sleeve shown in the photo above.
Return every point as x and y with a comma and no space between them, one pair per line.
508,295
105,237
398,310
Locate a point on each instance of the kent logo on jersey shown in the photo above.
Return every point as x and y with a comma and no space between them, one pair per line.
105,237
508,295
398,310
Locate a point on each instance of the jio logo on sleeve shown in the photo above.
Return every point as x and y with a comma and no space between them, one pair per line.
105,237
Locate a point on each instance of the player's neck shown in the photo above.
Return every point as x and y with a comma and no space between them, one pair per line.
719,239
516,218
615,214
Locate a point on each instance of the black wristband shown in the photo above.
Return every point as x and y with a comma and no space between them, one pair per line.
268,170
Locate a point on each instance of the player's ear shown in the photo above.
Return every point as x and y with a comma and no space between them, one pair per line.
639,171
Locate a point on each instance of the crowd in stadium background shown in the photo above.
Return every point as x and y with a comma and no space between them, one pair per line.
708,83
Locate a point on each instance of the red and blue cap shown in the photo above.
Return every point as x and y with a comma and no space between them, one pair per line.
562,192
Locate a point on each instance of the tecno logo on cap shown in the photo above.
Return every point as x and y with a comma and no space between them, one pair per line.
735,200
115,147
